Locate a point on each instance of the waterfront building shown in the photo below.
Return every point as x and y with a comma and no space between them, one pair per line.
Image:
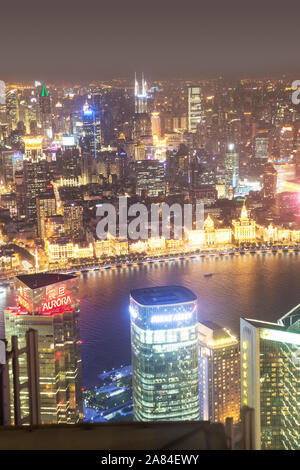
49,303
219,373
209,236
244,229
280,234
164,354
63,249
270,380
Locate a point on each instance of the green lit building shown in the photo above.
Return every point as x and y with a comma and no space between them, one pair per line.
49,304
270,380
164,354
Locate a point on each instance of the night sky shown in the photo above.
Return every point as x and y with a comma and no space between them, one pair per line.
65,41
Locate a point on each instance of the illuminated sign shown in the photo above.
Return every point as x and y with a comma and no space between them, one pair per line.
68,140
54,304
171,318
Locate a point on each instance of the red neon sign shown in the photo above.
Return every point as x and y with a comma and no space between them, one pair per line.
55,303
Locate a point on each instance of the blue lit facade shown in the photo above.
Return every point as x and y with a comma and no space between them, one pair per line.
164,354
91,139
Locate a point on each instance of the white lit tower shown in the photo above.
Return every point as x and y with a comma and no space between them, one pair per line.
140,95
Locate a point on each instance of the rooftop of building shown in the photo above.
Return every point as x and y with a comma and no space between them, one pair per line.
265,324
36,281
163,295
211,325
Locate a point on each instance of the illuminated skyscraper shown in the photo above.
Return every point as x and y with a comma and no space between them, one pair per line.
150,177
45,207
286,142
49,304
219,373
140,96
231,170
91,141
194,108
73,221
164,354
270,381
45,111
142,121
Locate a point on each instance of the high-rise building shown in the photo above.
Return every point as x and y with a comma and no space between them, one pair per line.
90,142
150,177
73,221
49,304
194,108
219,373
140,96
156,124
45,111
270,181
164,354
36,182
270,381
45,207
6,167
231,170
286,142
262,145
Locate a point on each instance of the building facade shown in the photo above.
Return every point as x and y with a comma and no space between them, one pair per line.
164,354
270,381
219,373
49,304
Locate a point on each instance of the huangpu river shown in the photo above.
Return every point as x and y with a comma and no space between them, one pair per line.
261,286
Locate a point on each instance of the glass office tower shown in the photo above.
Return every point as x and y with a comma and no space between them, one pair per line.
270,381
164,354
49,304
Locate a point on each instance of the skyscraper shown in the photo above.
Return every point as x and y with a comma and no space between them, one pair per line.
49,304
150,177
164,354
194,108
45,207
219,373
140,96
231,170
73,221
91,140
270,181
270,381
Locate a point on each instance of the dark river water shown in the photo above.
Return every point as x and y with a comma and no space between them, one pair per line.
262,286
